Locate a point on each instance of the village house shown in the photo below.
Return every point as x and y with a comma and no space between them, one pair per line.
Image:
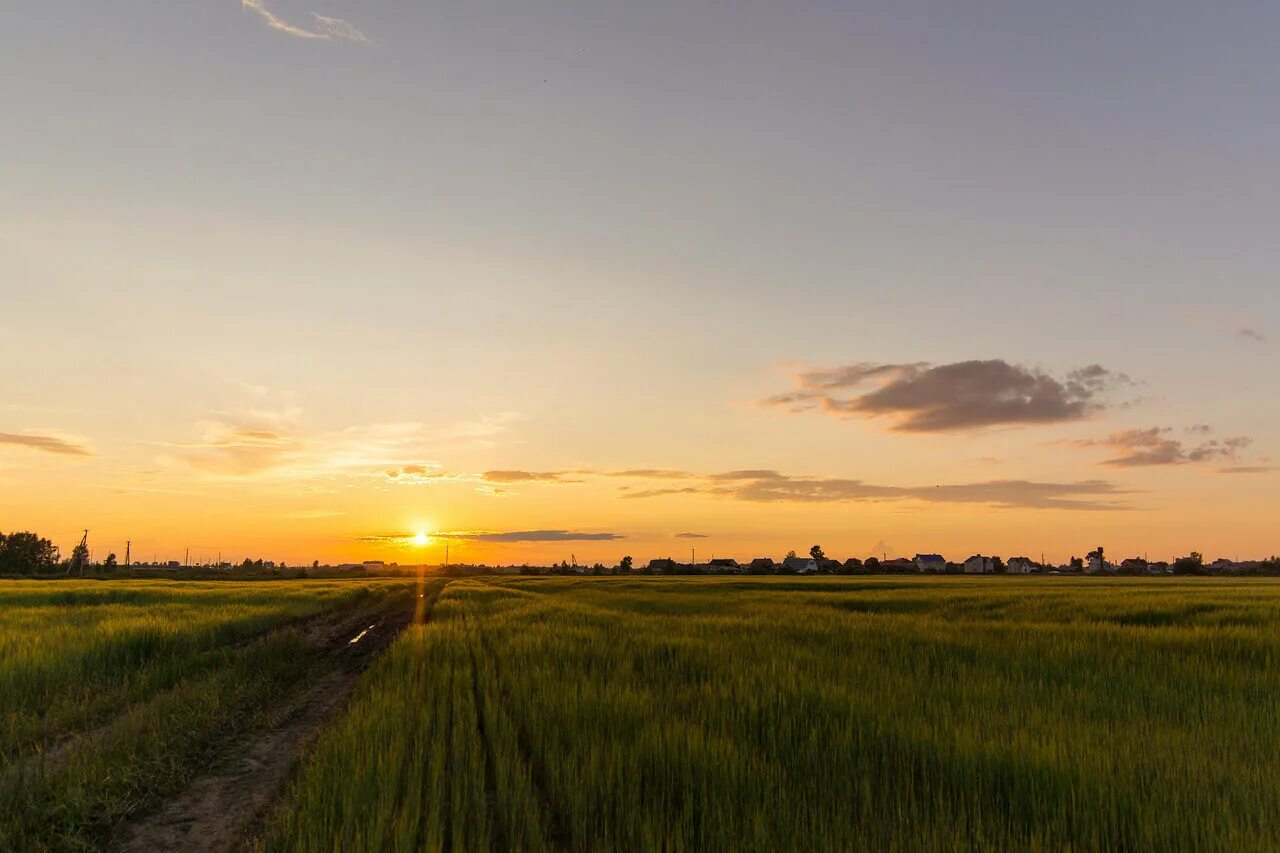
762,565
930,563
1021,566
662,564
799,565
979,565
724,565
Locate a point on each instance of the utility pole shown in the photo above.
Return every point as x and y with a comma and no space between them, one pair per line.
186,561
127,547
446,555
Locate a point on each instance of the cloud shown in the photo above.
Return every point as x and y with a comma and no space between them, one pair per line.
651,474
45,443
769,486
260,444
965,395
1245,469
692,536
418,474
326,28
525,477
1252,334
1155,446
504,537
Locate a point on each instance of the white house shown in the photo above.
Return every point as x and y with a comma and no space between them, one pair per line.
979,565
1020,566
930,563
800,565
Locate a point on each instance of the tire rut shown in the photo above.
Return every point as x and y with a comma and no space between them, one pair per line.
219,808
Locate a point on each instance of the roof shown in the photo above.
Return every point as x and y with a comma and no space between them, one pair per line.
804,561
931,558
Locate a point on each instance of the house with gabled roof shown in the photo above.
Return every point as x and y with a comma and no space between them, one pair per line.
930,563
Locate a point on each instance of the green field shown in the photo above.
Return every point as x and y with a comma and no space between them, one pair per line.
770,714
112,694
667,713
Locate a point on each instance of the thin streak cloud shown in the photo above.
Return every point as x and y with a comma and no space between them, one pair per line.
326,28
45,443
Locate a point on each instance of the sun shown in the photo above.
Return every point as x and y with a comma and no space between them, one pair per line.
420,539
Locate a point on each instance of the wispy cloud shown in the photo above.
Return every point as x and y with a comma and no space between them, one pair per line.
45,443
324,27
261,444
769,486
526,476
965,395
1157,446
1245,469
501,536
1252,335
691,536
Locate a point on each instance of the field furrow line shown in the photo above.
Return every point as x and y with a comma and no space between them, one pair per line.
556,830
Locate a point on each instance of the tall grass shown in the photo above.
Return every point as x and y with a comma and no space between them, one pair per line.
781,714
114,694
72,653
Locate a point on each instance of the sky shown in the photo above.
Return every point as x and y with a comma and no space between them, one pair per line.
298,279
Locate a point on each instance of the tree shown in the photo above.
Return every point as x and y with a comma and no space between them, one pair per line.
79,559
997,565
1192,564
871,564
26,554
626,563
315,564
816,553
791,555
109,564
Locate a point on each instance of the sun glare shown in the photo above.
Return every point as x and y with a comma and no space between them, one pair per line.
421,539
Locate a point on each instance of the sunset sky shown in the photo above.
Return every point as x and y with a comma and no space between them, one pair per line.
297,279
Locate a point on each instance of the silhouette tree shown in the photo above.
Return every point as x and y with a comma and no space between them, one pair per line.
79,559
1192,564
26,554
816,553
626,563
109,564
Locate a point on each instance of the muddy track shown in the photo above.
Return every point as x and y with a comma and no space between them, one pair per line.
220,806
